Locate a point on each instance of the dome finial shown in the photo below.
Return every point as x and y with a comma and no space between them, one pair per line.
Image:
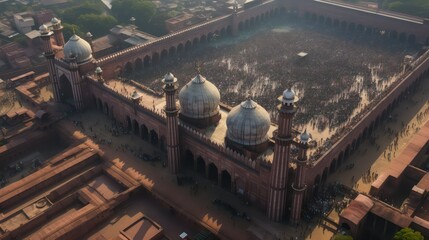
305,137
248,96
198,67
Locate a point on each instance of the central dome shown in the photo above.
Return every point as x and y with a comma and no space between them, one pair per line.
77,48
199,100
248,123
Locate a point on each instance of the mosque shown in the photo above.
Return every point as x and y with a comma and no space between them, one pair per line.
239,148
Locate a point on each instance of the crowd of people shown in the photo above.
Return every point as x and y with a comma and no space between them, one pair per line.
337,83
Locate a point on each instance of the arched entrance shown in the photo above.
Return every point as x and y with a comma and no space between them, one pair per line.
172,51
180,48
189,159
188,46
155,59
201,166
128,68
136,128
106,109
316,184
325,175
225,180
144,132
66,91
164,54
138,64
129,126
146,61
213,172
153,137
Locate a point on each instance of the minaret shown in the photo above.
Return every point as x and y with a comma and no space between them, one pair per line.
171,110
89,39
58,31
279,170
45,35
298,184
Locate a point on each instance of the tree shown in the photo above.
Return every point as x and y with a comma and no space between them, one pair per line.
142,10
71,14
408,234
98,25
68,31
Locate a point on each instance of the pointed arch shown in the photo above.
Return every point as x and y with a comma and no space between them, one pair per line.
154,137
226,180
201,166
66,90
155,58
172,51
128,68
188,162
136,128
164,54
138,64
146,61
213,173
144,132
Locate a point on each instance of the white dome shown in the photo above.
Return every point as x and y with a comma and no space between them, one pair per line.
199,99
55,20
304,137
288,96
43,29
248,123
78,48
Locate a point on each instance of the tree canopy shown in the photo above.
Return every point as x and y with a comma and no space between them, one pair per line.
71,14
408,234
143,11
68,30
98,25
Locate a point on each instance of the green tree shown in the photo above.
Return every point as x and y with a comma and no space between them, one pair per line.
71,14
68,31
408,234
342,237
98,25
142,10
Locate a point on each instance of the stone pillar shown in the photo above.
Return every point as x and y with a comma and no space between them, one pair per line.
76,83
279,170
298,184
48,52
171,110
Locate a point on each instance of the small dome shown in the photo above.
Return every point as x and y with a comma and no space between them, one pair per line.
199,99
89,35
43,29
248,123
78,48
304,137
169,79
55,20
288,96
